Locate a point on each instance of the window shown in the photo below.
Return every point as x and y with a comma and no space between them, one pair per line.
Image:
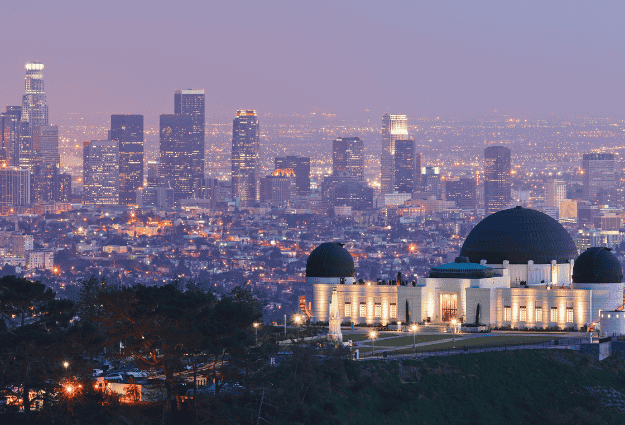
554,314
378,310
348,309
523,314
363,310
539,314
569,314
506,314
393,310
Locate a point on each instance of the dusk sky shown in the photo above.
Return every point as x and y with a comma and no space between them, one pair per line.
423,59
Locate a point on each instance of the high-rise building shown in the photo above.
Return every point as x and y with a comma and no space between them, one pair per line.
192,102
394,127
34,110
462,191
431,182
14,186
277,187
152,173
64,188
245,156
497,183
344,189
407,167
101,172
46,144
177,159
348,154
301,166
127,130
10,135
555,193
598,180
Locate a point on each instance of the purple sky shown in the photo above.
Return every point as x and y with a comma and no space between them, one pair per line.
424,59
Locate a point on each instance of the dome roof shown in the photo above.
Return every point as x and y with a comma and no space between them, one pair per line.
330,259
597,265
519,235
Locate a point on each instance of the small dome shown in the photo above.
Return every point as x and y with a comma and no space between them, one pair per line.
519,235
330,259
597,265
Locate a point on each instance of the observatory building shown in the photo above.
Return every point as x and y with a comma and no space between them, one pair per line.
517,268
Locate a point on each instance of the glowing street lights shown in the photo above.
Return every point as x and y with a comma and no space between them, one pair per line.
413,328
372,336
298,321
256,324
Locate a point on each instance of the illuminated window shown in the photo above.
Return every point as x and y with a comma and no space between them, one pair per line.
554,314
507,316
523,314
393,310
363,310
539,314
378,310
348,310
569,314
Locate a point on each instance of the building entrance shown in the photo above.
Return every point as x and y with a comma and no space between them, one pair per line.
449,304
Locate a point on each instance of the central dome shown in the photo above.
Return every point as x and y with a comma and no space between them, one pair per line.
519,235
330,260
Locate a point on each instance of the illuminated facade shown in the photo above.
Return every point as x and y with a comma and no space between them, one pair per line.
191,102
14,186
10,135
127,130
394,127
407,177
101,172
301,166
245,156
348,155
34,110
599,179
278,187
177,159
497,186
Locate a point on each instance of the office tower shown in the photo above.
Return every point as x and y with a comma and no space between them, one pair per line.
301,166
463,192
598,180
177,158
407,167
348,154
152,173
277,187
555,192
101,172
14,186
64,188
46,144
431,182
394,127
34,110
192,103
127,130
497,184
43,182
344,189
10,135
245,156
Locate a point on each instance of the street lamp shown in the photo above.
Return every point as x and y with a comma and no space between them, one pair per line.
372,336
453,322
413,328
298,320
256,331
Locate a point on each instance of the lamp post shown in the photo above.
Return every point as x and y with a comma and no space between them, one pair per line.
298,320
372,336
414,329
256,331
66,365
453,322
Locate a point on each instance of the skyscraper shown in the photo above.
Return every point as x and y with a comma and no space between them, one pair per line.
407,167
463,192
192,103
127,130
101,172
394,127
245,156
497,184
177,159
348,154
10,135
34,110
14,186
46,144
301,166
555,192
598,180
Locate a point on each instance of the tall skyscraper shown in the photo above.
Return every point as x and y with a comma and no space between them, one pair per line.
497,184
301,166
394,127
10,135
127,130
14,187
463,192
101,172
598,180
34,110
555,192
348,154
177,158
245,156
46,144
192,103
407,167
